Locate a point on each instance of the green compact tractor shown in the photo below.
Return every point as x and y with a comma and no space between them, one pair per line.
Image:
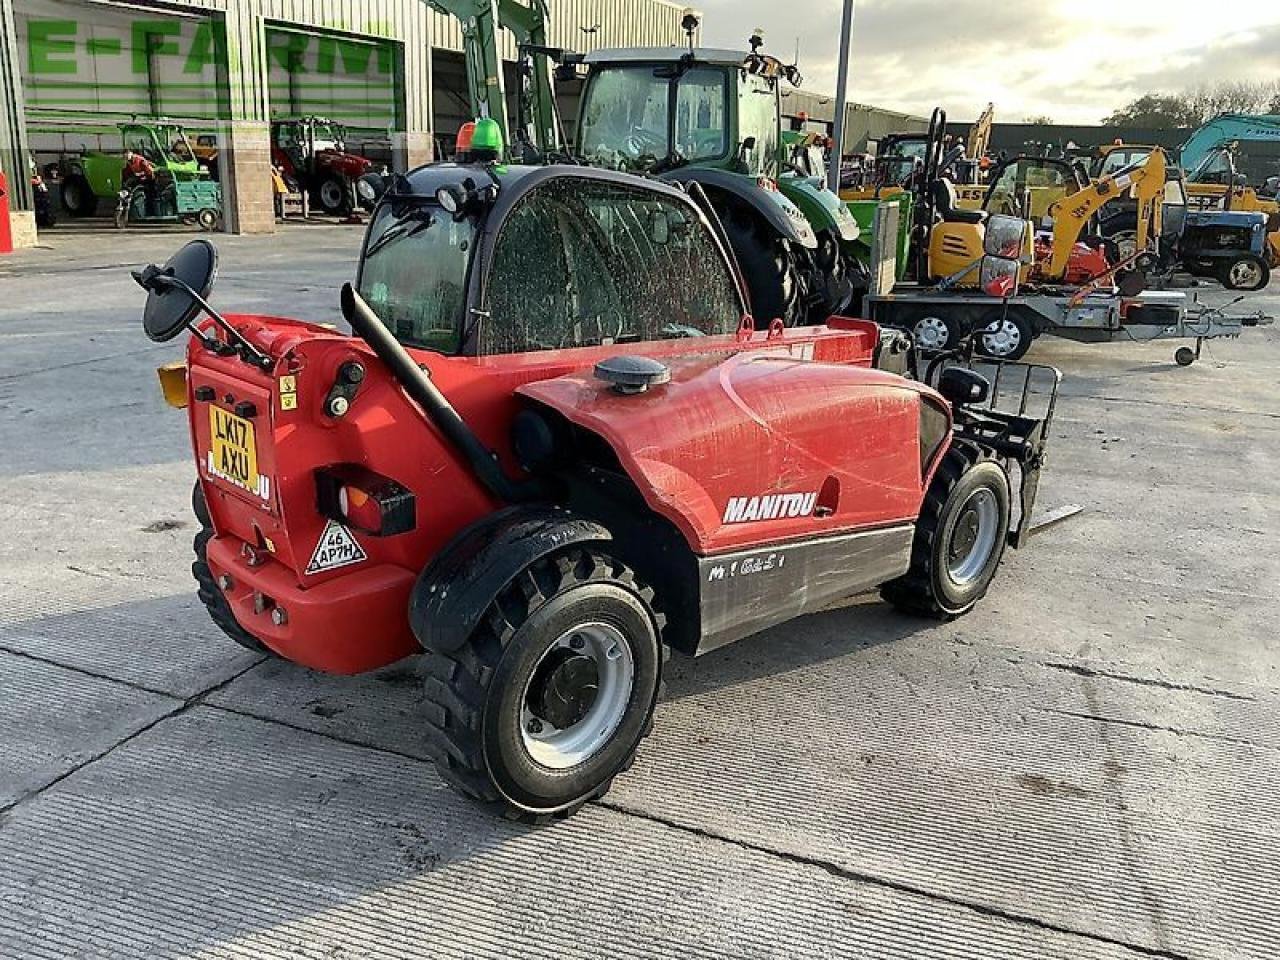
711,117
94,175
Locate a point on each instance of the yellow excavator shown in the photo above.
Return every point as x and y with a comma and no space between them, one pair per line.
1040,189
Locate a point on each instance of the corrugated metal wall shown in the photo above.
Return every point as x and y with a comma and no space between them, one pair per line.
13,124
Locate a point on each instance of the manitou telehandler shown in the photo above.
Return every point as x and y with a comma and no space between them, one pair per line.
556,447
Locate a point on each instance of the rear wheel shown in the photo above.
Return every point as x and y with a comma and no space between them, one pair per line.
77,198
551,696
1246,272
960,538
767,266
207,588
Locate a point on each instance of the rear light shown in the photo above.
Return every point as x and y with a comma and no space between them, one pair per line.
367,501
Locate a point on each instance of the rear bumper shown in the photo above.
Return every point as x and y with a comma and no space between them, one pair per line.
351,624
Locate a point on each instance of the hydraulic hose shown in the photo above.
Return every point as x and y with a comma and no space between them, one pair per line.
435,404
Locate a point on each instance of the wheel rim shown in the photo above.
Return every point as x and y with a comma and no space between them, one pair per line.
577,695
932,333
1245,273
330,195
1001,338
973,537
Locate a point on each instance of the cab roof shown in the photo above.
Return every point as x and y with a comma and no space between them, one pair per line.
712,55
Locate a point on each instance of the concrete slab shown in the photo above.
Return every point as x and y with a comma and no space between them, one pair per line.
219,836
52,720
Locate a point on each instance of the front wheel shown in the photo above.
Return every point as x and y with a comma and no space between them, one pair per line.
768,269
551,696
1246,272
334,196
960,538
77,197
208,589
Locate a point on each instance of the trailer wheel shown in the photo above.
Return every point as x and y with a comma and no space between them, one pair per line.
768,268
960,538
1004,335
932,331
550,697
1246,272
1184,356
207,589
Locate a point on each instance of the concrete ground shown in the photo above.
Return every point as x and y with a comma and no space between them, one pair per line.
1085,767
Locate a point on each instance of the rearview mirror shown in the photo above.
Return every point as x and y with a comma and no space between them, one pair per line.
170,306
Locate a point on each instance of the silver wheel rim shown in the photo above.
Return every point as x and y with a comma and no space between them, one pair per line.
1245,273
330,195
973,536
1001,338
560,749
932,333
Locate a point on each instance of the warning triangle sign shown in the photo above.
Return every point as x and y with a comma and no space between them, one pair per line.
337,548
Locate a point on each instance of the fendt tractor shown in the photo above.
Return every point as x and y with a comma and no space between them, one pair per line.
557,447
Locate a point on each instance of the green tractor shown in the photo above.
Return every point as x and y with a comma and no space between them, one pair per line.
712,117
92,175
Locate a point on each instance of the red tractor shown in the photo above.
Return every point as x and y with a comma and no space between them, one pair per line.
556,447
311,151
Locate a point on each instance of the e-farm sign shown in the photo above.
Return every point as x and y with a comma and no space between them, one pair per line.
91,60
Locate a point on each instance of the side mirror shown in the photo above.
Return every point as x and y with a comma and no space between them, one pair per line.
962,386
170,306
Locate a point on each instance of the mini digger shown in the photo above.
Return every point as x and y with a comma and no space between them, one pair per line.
557,446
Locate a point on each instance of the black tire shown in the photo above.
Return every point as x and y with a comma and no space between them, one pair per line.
929,587
1184,356
208,590
77,197
1246,272
830,284
333,195
1003,335
768,268
477,695
933,329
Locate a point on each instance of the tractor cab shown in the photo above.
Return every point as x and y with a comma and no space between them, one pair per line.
1114,157
165,145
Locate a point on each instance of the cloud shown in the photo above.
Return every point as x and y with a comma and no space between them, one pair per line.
1074,60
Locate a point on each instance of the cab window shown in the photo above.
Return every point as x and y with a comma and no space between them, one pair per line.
758,117
584,263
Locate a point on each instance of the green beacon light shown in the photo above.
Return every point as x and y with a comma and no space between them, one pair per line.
486,142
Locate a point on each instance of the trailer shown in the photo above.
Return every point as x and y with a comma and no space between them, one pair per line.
1004,327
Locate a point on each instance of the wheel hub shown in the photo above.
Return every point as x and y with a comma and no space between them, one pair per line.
1244,274
932,333
564,688
577,695
1002,338
973,536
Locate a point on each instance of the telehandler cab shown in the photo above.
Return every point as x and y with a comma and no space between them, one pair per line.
556,447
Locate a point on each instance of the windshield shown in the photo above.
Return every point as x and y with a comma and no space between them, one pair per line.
1117,160
916,149
627,121
413,272
328,137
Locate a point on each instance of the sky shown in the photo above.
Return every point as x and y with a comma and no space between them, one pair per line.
1072,60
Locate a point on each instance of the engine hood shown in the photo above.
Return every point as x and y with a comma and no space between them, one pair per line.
759,446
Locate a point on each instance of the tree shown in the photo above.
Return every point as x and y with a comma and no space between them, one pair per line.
1043,120
1191,108
1156,111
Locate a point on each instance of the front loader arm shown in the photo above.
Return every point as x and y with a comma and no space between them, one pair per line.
481,22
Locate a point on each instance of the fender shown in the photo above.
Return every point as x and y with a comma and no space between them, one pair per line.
822,208
778,211
457,587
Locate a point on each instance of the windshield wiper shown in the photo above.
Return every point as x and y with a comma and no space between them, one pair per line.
399,231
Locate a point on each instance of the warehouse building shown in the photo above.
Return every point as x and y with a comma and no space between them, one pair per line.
391,71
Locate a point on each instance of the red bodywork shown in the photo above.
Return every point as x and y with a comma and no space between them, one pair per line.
1085,263
794,411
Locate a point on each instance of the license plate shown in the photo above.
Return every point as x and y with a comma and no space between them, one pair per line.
233,454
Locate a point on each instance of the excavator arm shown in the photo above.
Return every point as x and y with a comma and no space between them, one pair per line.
537,125
1071,214
1263,128
980,133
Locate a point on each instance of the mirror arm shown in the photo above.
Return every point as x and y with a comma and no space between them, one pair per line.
246,349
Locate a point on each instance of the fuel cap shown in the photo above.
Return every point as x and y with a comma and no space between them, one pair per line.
631,373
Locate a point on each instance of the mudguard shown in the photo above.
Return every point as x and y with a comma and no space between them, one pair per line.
456,589
776,209
822,208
